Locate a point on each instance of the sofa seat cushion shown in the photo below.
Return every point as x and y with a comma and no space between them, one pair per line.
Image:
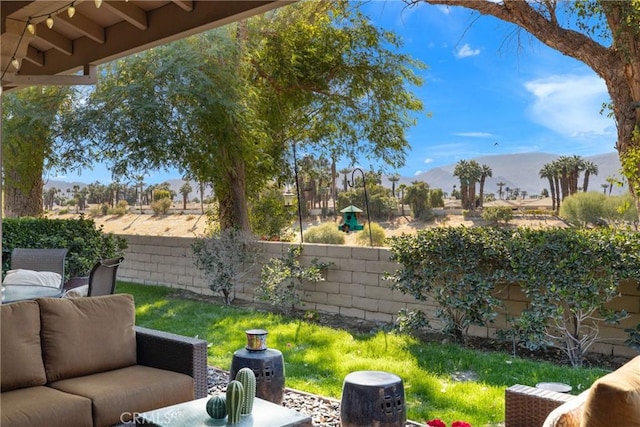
44,406
118,394
20,351
82,336
614,399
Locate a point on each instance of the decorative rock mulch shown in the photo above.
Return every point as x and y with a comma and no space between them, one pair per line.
324,411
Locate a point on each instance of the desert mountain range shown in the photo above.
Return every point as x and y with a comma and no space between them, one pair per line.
515,170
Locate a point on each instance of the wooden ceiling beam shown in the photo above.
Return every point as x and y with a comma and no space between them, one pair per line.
87,27
55,40
186,5
129,12
35,56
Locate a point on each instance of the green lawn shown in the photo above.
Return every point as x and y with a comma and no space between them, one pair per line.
317,358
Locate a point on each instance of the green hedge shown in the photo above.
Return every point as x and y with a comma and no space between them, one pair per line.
86,242
569,276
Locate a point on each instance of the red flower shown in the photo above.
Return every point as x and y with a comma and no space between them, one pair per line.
436,423
460,424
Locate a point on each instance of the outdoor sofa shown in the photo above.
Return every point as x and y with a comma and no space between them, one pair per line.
83,362
612,401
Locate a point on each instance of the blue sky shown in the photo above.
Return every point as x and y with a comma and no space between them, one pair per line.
487,92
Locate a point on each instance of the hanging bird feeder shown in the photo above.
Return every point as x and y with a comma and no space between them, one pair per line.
350,216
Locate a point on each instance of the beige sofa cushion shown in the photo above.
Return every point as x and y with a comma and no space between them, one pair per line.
118,394
20,352
83,336
614,400
44,406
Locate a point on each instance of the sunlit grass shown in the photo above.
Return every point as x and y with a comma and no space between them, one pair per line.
317,358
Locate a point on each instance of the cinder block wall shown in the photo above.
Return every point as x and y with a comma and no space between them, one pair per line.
354,286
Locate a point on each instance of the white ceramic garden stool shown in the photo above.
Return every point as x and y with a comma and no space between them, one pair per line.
372,399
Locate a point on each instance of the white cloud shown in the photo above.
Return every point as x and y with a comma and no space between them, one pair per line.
475,134
466,51
427,161
417,173
570,105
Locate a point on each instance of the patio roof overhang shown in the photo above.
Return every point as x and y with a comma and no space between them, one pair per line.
69,51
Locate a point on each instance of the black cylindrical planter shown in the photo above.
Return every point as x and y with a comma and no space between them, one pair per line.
268,366
372,398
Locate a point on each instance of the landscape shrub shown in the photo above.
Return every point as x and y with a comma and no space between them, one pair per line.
584,209
85,242
161,207
281,279
377,235
497,214
224,258
121,209
63,211
569,276
457,267
621,210
327,233
160,194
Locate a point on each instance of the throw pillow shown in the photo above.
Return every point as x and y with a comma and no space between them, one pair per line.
21,276
82,336
568,414
614,400
80,291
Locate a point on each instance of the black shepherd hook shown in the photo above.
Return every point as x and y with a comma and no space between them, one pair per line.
352,184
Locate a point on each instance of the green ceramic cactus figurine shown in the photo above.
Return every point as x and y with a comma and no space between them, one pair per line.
235,394
248,380
217,407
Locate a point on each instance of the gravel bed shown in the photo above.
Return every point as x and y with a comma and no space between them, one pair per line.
323,410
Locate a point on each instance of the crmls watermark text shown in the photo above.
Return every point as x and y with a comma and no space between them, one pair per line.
151,418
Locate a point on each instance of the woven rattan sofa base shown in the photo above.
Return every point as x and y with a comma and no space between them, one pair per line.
529,406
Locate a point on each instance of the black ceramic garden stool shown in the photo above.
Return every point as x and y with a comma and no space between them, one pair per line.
268,365
372,399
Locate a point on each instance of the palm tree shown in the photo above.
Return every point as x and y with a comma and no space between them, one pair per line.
590,168
185,190
393,178
500,192
485,172
604,188
345,172
401,189
548,171
461,170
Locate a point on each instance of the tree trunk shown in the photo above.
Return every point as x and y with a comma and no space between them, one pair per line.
18,203
233,210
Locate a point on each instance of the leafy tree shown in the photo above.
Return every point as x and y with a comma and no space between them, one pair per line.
33,121
604,35
269,216
417,196
227,105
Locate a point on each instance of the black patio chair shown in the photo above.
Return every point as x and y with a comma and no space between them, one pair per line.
102,279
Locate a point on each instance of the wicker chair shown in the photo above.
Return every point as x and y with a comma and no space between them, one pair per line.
39,260
102,279
529,406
